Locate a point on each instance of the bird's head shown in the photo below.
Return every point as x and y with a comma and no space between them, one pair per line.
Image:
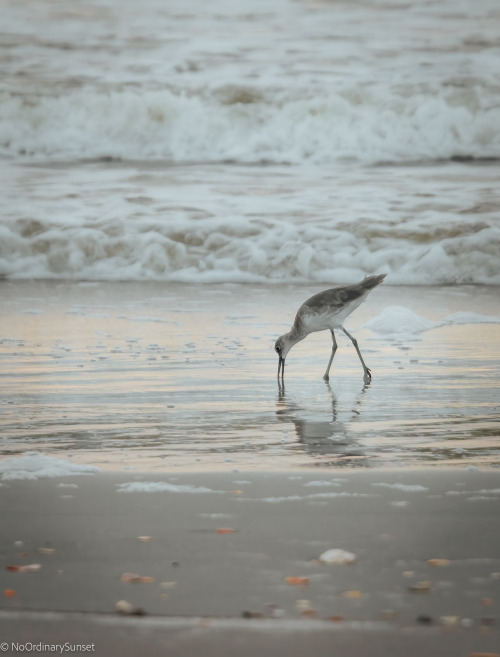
282,346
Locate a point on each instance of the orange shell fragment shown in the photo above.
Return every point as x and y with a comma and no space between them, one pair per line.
309,613
10,593
224,530
352,595
438,562
29,568
132,577
297,581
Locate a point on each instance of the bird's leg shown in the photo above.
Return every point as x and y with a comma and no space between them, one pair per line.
326,377
368,374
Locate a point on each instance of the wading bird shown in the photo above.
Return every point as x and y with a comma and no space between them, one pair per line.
327,311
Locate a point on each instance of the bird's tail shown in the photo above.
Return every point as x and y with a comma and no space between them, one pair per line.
369,282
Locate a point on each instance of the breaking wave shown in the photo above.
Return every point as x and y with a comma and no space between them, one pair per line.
227,249
246,124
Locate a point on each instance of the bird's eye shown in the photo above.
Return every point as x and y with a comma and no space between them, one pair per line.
277,349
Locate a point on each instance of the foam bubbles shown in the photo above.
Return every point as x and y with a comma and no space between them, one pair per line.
398,320
161,487
35,466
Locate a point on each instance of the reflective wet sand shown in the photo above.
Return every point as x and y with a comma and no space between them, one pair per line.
157,376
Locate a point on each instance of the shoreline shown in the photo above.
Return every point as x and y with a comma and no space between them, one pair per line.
155,465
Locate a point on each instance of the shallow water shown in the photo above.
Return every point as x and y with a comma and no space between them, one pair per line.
153,376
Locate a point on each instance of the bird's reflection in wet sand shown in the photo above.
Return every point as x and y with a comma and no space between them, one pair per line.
325,437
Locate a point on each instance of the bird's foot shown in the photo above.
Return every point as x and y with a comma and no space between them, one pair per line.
326,377
368,374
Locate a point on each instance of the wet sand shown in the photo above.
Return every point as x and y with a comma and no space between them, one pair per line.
222,591
157,376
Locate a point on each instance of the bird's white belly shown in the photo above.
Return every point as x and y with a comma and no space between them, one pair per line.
323,320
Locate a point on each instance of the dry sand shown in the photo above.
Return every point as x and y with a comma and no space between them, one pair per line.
86,539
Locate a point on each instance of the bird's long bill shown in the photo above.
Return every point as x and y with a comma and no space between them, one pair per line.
281,367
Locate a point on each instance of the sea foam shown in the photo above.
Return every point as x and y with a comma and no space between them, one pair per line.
179,245
35,466
161,487
250,124
398,320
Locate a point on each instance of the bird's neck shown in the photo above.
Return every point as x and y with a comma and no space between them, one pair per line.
297,332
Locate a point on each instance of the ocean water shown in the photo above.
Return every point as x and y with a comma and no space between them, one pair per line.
285,141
